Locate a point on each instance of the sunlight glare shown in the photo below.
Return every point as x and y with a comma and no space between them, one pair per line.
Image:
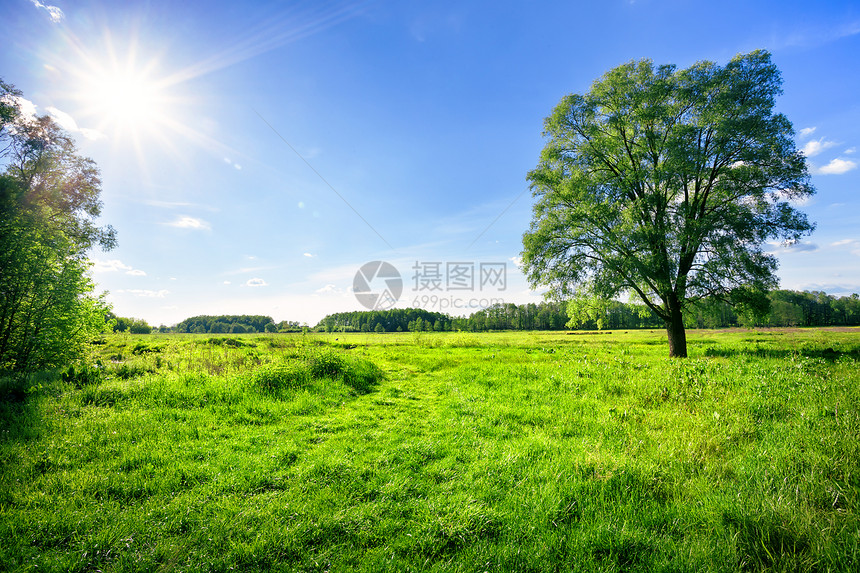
127,100
128,97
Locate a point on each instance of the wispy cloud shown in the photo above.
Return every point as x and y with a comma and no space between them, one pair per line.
816,146
811,36
25,106
799,247
193,223
246,270
837,166
850,150
806,132
277,30
309,255
68,123
256,283
54,13
852,244
168,204
115,265
232,163
144,293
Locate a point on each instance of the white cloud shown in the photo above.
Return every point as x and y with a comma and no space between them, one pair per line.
193,223
329,288
233,164
177,204
802,246
835,289
145,293
246,270
227,282
837,166
256,283
309,255
92,134
100,266
68,123
25,107
55,14
852,244
816,146
799,247
518,261
65,120
806,132
850,150
115,265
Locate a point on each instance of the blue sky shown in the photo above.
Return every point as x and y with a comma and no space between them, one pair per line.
255,155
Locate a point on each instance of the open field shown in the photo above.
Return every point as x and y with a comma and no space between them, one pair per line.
438,452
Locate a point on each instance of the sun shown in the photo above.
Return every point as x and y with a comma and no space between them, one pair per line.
127,100
138,97
124,94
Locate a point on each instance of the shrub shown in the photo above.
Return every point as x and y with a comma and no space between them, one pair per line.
83,375
274,378
359,373
126,371
317,364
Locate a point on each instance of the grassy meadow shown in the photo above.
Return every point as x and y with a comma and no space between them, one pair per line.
438,452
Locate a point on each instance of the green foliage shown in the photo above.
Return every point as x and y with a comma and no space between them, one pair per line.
83,374
236,324
411,319
743,307
274,378
582,309
49,199
500,316
131,325
665,183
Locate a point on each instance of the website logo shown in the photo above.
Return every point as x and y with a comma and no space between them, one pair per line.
377,285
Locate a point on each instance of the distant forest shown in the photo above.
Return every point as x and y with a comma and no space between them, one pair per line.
787,308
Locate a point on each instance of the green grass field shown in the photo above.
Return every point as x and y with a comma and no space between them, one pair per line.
438,452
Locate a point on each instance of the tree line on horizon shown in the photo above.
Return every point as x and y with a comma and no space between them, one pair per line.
787,308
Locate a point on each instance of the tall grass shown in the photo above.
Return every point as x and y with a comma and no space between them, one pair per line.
443,452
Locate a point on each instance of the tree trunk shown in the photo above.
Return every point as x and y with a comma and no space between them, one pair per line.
675,330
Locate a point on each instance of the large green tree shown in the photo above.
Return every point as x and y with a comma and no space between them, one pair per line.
665,184
49,200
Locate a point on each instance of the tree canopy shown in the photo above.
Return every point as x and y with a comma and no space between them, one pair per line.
233,323
665,184
49,200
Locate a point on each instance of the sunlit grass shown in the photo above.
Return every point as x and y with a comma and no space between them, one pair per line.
438,451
